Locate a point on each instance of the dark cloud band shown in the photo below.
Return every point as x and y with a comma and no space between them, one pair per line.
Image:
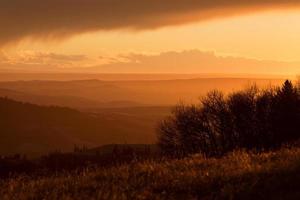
62,18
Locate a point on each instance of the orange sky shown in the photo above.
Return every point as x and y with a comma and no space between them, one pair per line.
262,37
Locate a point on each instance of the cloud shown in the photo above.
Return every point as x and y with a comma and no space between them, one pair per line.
47,61
3,57
33,57
195,61
184,62
63,18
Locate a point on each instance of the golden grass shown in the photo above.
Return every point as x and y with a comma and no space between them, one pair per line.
239,175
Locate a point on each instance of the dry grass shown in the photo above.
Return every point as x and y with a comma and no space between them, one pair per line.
239,175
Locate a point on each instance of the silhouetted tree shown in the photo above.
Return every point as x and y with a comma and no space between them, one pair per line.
217,121
180,134
242,106
250,119
286,117
263,119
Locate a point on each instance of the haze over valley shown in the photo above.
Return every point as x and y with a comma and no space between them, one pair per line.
60,114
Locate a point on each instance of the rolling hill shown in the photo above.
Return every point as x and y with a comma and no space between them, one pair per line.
32,129
94,93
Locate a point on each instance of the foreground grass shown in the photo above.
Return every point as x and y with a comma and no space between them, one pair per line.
239,175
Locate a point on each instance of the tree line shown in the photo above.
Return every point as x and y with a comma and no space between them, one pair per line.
253,118
77,161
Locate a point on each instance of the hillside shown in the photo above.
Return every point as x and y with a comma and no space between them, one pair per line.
64,100
61,100
131,93
239,175
33,129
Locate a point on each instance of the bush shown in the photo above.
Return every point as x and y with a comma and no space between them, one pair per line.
250,119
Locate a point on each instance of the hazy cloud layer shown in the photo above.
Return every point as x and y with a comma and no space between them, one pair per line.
191,61
195,61
62,18
32,57
3,57
41,61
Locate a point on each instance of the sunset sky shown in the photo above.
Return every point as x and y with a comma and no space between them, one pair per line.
151,36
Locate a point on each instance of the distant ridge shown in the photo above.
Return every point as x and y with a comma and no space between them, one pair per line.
15,76
93,93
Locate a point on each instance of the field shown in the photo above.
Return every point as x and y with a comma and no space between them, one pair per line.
239,175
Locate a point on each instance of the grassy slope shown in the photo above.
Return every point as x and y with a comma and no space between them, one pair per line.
239,175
